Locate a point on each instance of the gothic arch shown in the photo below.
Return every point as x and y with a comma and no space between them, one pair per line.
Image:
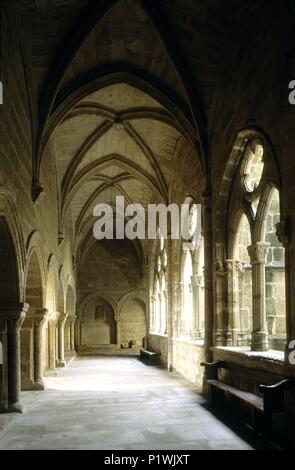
95,296
12,234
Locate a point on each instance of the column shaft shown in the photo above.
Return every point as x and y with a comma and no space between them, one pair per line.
258,254
39,322
14,322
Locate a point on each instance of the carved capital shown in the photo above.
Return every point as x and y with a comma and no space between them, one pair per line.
240,268
40,317
258,252
62,319
229,264
14,323
53,319
15,315
197,280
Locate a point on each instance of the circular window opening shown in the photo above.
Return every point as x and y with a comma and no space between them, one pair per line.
254,168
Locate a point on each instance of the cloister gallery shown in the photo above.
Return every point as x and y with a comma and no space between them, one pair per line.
167,102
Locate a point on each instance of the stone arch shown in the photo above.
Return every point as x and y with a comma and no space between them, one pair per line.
10,294
61,304
9,275
243,137
51,284
99,322
34,248
94,296
70,309
34,297
13,246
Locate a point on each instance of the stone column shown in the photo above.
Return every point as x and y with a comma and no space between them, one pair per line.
72,334
78,334
177,309
233,304
208,275
15,319
61,339
221,302
283,232
27,352
182,323
152,312
52,324
40,318
162,313
196,327
169,301
118,332
3,365
258,254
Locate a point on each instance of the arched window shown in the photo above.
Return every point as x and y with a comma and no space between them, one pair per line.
275,277
159,297
187,272
256,312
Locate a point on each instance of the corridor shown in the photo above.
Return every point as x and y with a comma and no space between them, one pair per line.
115,403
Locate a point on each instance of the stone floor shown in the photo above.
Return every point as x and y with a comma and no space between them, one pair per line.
117,403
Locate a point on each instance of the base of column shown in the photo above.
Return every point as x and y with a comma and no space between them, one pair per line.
61,364
3,407
228,339
219,338
50,373
28,386
259,341
39,385
16,408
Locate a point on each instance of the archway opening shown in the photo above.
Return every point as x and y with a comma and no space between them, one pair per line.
275,288
99,325
9,295
34,297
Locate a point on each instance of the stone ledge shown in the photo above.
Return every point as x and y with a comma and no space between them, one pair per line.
268,361
190,342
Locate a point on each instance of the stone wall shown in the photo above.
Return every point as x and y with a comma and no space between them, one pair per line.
187,357
133,323
159,344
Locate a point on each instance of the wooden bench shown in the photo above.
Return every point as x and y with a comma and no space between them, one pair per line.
150,357
263,407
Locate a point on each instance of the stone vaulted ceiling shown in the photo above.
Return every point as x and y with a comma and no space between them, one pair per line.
111,129
116,89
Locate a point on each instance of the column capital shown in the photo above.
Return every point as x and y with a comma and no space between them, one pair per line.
197,280
220,268
258,252
40,316
62,318
53,319
15,314
230,266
